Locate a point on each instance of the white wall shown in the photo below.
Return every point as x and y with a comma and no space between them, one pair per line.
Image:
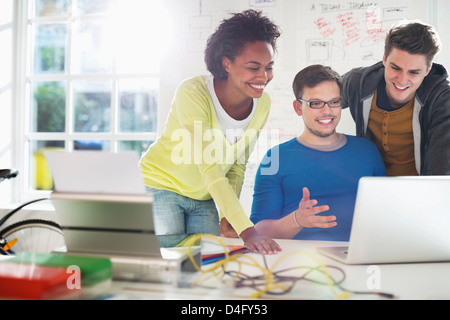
439,17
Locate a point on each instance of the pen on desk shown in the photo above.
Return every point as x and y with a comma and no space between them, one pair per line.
3,252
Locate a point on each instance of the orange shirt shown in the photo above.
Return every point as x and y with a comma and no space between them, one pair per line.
393,135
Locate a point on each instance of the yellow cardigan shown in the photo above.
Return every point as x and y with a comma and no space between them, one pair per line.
193,158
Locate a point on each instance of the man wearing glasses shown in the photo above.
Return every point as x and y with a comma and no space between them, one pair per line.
312,195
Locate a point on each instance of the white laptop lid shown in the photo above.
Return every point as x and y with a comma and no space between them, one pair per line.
95,172
401,219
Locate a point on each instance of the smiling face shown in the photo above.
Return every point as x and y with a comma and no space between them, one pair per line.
404,73
251,71
320,124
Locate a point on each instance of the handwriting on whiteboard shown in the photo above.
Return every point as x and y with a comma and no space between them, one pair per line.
349,28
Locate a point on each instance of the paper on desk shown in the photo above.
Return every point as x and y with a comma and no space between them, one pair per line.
213,251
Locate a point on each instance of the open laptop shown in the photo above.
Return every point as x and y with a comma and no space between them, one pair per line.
101,204
398,220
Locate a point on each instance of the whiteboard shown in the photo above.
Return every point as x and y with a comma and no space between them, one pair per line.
341,34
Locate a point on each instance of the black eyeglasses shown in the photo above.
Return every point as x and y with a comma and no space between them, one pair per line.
335,103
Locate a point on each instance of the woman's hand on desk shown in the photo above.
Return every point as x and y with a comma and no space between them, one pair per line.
252,239
258,243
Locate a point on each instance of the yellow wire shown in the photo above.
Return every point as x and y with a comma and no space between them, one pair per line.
342,295
218,263
270,283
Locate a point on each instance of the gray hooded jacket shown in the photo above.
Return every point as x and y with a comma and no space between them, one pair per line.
431,118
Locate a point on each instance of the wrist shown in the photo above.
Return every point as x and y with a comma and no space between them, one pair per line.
294,216
248,233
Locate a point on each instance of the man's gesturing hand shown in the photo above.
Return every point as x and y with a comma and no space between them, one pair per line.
306,214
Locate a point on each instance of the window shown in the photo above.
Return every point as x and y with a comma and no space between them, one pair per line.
91,80
6,58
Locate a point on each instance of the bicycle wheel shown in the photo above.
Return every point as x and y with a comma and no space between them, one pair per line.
34,235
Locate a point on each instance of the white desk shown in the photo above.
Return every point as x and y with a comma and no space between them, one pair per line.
416,281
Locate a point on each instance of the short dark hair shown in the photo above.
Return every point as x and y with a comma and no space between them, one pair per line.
231,36
414,38
311,76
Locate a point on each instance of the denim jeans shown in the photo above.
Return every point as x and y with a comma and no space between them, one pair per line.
176,217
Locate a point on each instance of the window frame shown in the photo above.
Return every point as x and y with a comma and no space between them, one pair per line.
23,77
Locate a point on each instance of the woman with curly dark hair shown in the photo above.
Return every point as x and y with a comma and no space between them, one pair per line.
197,164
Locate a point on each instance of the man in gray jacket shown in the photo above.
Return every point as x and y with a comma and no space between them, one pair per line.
403,103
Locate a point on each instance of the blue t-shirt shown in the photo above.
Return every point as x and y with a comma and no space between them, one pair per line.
331,177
